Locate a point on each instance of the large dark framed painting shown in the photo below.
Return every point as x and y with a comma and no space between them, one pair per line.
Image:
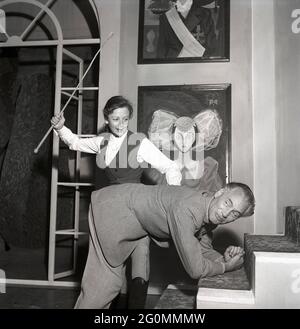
182,31
173,102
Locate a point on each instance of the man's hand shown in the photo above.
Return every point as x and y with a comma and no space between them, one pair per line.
58,121
232,251
234,263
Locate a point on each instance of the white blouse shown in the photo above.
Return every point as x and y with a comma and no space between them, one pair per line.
147,152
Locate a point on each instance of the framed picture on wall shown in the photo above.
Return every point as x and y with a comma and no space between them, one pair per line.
180,31
191,124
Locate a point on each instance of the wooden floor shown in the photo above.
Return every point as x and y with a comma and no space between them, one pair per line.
31,264
45,298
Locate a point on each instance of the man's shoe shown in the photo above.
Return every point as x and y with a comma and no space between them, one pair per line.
137,293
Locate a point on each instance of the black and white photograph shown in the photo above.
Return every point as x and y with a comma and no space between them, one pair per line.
149,158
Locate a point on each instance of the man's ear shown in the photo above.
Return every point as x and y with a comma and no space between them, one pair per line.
249,211
219,193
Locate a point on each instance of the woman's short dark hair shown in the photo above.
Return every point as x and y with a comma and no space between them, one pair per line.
116,102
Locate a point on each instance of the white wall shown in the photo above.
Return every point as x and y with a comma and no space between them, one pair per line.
110,22
264,117
287,67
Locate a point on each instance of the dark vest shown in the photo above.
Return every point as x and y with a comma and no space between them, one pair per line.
124,167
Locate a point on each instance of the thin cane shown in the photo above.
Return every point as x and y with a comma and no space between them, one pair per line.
36,150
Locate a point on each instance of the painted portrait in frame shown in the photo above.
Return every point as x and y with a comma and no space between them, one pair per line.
181,31
207,108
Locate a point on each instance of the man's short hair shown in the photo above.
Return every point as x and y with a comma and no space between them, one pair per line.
248,194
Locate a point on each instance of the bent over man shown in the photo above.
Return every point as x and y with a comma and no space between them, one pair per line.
122,215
